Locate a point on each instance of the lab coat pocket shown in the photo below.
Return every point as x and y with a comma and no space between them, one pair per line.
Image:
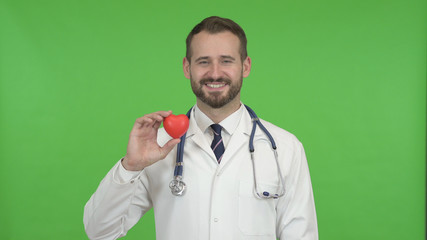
257,217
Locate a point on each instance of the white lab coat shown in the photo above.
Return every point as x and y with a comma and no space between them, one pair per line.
219,202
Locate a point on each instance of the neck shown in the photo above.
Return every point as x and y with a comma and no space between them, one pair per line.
219,114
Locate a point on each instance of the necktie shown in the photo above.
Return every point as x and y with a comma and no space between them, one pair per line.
217,144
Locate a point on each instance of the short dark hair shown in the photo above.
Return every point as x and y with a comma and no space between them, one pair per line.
216,24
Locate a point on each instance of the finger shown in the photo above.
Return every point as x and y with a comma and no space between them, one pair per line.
143,122
164,113
158,116
169,146
149,120
157,125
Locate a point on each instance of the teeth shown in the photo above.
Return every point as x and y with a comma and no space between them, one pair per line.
215,85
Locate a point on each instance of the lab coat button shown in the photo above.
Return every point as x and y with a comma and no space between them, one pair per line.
216,219
132,181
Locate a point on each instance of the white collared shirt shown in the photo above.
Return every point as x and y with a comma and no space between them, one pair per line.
229,124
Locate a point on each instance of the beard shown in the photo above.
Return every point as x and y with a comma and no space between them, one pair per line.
216,100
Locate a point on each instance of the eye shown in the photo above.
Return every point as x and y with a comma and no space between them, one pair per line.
203,62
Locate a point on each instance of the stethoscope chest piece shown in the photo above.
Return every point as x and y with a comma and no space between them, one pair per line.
177,186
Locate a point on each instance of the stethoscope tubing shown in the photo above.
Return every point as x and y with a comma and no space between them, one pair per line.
255,121
178,187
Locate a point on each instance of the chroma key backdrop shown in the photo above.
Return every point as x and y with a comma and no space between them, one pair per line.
348,78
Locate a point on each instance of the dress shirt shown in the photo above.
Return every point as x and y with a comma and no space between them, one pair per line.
228,125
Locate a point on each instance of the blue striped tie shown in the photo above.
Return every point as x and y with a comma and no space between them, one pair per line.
217,144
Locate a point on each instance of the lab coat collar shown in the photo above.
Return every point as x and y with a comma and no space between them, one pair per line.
238,139
239,120
229,124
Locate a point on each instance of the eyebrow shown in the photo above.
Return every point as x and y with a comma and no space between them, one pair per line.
222,56
228,57
202,58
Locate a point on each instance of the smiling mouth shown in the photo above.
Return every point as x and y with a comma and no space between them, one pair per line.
215,85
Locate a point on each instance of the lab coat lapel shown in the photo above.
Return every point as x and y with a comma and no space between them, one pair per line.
195,134
238,139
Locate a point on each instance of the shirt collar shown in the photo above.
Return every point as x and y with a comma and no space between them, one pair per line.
229,124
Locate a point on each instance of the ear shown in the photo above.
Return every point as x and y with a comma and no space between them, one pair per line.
186,67
247,66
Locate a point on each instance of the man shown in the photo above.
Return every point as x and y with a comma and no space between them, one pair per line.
221,200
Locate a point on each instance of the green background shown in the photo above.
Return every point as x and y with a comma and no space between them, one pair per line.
346,77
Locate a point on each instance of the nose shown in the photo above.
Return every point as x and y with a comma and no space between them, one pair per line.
215,71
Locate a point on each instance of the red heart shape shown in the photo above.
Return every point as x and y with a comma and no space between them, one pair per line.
176,125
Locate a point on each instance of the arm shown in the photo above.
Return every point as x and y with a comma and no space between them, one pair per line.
296,211
113,210
119,203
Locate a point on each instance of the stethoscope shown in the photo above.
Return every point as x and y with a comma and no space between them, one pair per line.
178,186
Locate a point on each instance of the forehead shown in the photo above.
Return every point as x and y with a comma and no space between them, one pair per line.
214,45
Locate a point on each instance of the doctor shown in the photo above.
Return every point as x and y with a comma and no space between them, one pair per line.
219,202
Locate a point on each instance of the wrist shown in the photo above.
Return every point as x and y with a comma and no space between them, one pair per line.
130,167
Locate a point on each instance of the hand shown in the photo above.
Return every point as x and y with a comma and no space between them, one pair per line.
143,149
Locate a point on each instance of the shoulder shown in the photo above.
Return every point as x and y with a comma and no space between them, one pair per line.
281,135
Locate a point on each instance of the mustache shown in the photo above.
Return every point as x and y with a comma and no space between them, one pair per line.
209,80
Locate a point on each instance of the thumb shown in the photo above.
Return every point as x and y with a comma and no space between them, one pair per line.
169,146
